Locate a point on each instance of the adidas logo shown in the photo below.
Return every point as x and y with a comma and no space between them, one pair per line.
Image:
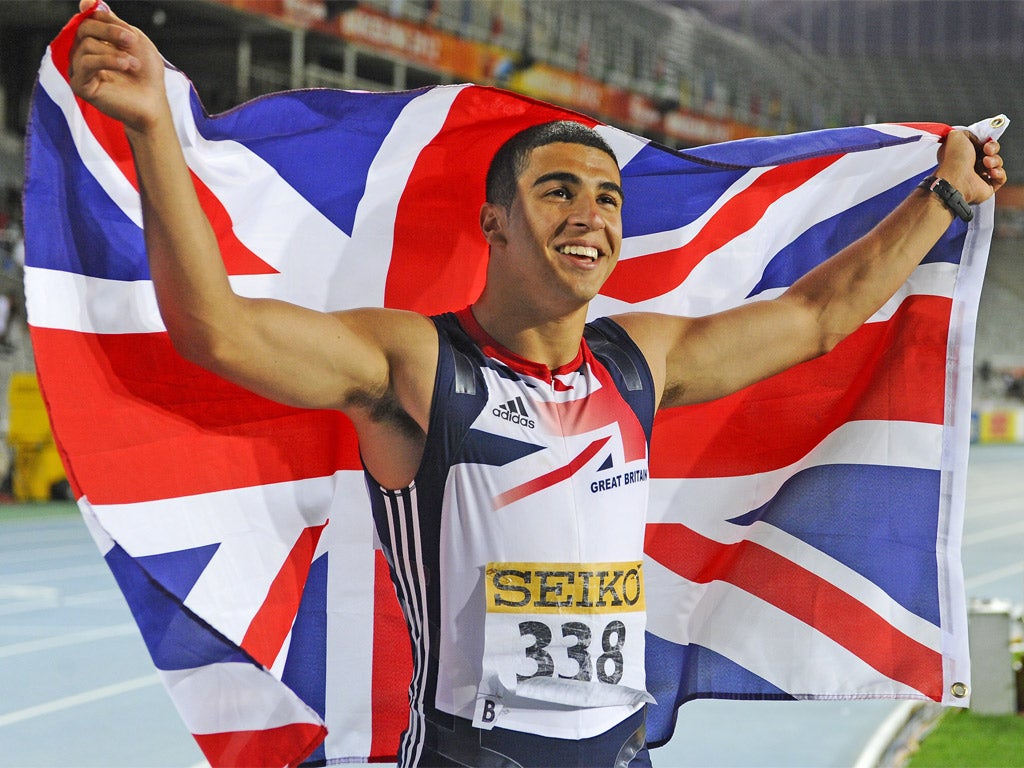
515,411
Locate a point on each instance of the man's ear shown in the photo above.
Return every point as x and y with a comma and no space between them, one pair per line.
492,223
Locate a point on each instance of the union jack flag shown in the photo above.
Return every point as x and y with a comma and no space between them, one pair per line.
803,538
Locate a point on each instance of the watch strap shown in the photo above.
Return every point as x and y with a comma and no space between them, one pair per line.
949,195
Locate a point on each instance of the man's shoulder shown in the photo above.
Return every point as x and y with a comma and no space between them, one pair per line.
617,329
609,339
651,329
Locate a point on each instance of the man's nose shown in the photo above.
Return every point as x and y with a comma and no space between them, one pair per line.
587,213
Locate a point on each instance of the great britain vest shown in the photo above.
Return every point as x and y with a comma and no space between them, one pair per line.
517,551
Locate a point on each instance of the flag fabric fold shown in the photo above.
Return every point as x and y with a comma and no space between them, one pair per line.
803,538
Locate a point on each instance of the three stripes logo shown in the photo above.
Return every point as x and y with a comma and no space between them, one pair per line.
515,411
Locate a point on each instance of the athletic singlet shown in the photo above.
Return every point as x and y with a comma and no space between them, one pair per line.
517,551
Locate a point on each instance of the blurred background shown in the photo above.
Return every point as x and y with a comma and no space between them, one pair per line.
682,72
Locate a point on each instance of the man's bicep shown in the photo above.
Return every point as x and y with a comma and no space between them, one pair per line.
704,358
733,349
311,359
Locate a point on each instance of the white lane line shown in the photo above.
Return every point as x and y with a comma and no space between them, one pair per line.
997,574
78,699
998,532
96,568
85,598
29,592
96,596
32,555
980,508
62,641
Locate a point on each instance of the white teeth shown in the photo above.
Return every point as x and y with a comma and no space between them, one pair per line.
586,251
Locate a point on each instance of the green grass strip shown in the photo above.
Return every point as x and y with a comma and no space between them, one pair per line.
966,740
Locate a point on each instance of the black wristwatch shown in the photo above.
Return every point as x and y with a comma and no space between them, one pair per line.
949,195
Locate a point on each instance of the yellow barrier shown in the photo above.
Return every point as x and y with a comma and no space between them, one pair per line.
37,466
1001,425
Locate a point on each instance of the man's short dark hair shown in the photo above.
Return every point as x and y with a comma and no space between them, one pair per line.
513,156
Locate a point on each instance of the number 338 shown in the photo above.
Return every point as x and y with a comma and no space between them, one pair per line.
608,667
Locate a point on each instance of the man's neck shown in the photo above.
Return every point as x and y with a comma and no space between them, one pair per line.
552,340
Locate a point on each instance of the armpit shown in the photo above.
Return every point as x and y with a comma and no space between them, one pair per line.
387,411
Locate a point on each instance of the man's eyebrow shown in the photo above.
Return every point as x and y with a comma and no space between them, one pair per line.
571,178
564,176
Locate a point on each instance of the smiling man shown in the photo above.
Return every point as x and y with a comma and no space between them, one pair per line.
506,444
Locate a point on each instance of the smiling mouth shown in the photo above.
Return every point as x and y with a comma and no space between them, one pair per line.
580,251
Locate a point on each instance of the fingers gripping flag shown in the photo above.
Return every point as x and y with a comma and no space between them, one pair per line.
803,538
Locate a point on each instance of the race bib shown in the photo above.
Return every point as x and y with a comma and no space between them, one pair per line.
566,633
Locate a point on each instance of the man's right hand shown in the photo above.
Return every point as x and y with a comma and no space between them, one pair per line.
972,166
117,69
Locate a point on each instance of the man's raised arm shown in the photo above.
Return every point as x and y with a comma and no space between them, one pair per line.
699,359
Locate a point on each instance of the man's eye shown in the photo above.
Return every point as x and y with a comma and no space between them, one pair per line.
559,192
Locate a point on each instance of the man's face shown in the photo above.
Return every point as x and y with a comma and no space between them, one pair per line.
565,225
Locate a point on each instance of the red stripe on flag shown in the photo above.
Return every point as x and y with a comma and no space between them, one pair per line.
439,256
937,129
631,281
238,259
795,590
551,478
392,665
273,747
141,423
273,621
893,370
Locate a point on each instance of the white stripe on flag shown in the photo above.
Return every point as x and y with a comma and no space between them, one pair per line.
350,626
94,157
932,279
849,581
103,541
72,302
725,619
828,569
706,504
229,696
230,519
625,145
288,233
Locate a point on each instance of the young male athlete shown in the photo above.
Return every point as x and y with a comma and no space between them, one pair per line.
482,431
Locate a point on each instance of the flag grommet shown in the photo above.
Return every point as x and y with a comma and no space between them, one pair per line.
959,690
